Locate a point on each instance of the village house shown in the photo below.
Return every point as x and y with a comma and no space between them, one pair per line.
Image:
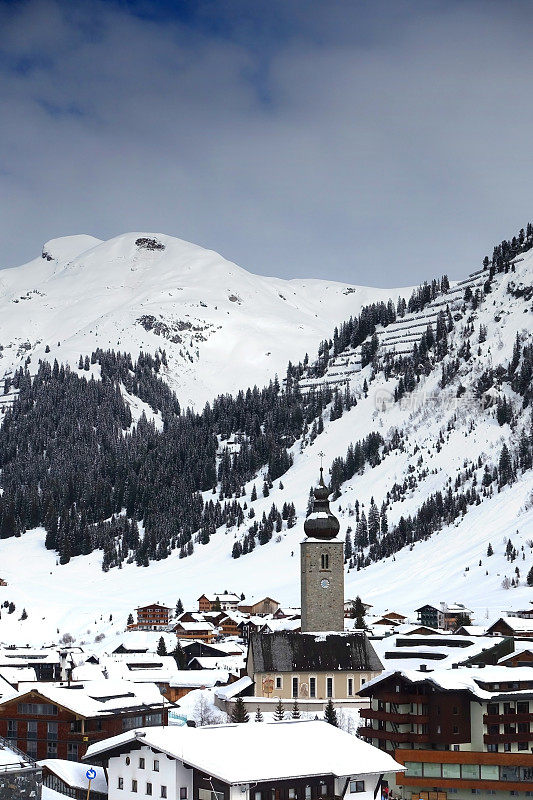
309,760
224,601
151,618
521,657
516,627
261,607
458,731
59,722
430,616
203,631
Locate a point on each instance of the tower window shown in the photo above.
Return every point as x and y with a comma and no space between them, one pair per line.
325,561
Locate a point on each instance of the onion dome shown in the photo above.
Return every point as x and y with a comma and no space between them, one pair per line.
321,523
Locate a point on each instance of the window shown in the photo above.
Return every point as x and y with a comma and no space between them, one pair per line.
295,686
163,791
507,747
324,560
470,772
490,772
51,731
148,788
438,728
522,746
39,709
279,682
322,789
141,763
132,722
493,709
32,729
397,688
456,729
51,750
312,687
31,748
432,770
451,771
292,794
357,786
307,793
153,719
522,708
156,765
134,786
492,748
329,687
120,783
456,747
12,729
72,751
183,793
350,687
75,726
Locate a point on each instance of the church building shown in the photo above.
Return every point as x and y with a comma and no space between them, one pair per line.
323,661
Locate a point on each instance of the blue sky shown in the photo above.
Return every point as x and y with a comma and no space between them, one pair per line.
372,142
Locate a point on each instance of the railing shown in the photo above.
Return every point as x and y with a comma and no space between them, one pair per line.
393,736
25,759
498,738
386,716
495,719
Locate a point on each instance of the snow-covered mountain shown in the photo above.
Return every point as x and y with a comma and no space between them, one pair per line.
443,432
222,327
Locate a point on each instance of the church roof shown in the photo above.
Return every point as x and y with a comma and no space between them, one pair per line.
285,651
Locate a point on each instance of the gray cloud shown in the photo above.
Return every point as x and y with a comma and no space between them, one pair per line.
374,143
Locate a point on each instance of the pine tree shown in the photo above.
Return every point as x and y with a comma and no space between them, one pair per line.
130,619
358,613
279,713
490,551
258,715
330,715
179,607
529,579
296,710
373,522
238,712
161,647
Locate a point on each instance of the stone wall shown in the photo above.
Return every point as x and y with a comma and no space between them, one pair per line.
322,589
19,784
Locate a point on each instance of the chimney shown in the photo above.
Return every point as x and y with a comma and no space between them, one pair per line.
423,668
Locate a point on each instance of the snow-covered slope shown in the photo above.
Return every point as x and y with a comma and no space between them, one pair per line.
222,327
450,434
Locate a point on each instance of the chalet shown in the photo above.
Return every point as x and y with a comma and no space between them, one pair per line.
260,608
453,614
430,616
59,722
512,626
204,631
288,760
218,602
522,657
185,680
68,778
459,732
229,624
151,618
306,666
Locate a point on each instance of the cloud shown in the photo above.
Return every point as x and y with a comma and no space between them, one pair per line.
377,143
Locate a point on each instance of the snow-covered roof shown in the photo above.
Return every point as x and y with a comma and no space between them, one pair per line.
212,749
516,623
183,678
469,679
195,626
73,774
517,652
95,698
233,689
227,598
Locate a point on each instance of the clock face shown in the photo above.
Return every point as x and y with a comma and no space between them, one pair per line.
324,583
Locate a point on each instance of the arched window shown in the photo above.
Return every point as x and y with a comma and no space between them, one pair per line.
325,561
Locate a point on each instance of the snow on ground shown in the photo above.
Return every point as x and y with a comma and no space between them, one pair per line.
79,597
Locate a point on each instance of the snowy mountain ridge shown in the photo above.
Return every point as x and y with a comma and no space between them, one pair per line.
222,327
465,398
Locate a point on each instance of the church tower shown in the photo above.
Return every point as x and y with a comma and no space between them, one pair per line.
322,567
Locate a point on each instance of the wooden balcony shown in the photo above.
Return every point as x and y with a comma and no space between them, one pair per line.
501,738
500,719
392,736
389,716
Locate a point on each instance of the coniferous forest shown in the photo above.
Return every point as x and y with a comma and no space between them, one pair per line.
73,460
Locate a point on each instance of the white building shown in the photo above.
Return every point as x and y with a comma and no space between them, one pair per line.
288,760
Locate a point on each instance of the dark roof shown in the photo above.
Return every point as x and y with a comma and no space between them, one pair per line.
288,652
